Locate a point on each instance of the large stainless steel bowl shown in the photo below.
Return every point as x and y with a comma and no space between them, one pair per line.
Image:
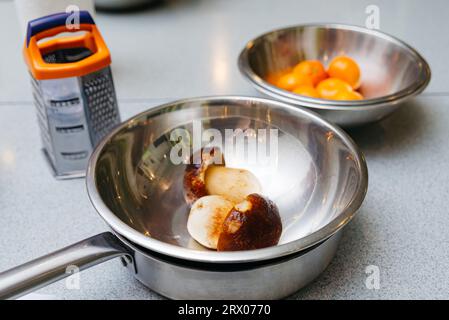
392,71
318,179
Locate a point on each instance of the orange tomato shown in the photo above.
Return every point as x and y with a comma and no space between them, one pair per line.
306,90
313,69
272,79
291,80
330,87
346,69
348,95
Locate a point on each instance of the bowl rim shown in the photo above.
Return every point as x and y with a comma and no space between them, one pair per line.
415,88
318,236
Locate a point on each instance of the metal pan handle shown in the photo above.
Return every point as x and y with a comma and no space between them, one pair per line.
42,271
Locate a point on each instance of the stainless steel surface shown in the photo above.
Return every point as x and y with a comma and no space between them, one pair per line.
74,113
60,264
280,278
392,71
174,279
63,125
318,181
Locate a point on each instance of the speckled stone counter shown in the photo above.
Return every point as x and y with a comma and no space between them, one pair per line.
189,48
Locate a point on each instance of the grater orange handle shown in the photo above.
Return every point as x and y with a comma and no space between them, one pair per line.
92,39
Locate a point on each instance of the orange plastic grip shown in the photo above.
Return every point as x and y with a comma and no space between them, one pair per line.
92,40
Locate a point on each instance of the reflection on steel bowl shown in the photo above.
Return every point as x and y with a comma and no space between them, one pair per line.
392,71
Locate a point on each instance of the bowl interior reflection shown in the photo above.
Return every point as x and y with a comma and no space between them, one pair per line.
312,174
387,65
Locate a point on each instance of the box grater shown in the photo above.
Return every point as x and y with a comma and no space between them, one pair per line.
72,87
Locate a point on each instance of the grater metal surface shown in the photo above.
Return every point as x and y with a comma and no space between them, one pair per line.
101,111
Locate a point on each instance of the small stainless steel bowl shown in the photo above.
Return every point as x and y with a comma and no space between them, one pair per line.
392,71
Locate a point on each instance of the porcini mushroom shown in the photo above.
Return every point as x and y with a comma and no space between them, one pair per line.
194,175
205,221
233,184
253,223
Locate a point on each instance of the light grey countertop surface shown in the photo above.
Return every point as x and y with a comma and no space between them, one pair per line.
189,48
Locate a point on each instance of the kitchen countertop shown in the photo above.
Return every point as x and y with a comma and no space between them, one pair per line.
189,48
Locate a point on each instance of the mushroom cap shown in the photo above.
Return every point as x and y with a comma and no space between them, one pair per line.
195,173
252,224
